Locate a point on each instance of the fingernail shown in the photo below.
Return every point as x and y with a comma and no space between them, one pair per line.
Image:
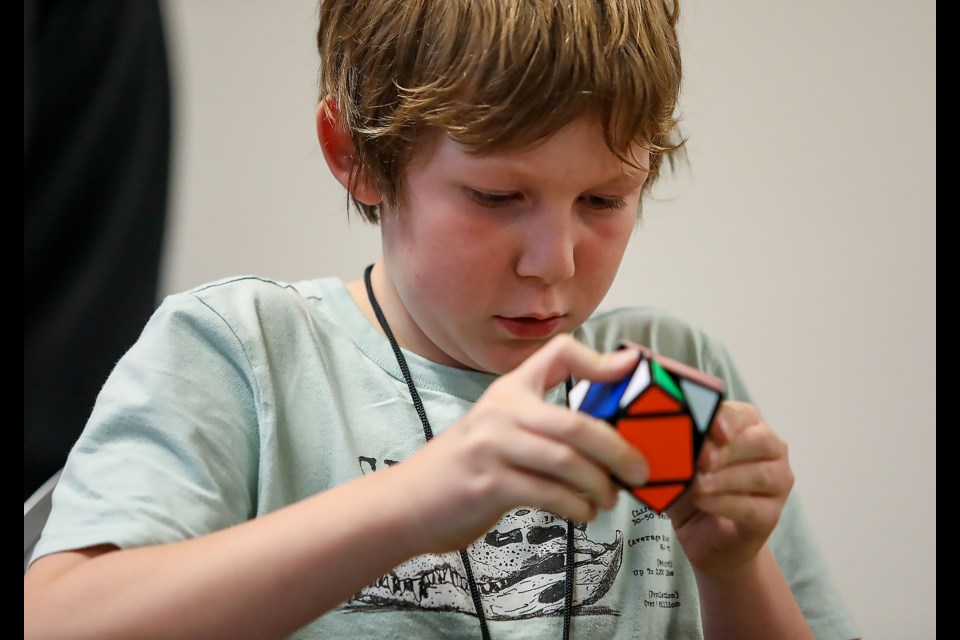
720,426
624,357
641,474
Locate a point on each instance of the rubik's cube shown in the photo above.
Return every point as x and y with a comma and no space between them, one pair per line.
664,408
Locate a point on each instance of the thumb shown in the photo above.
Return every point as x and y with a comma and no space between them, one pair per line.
564,357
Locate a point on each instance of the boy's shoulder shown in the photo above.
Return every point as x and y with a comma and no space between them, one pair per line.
244,299
662,330
243,289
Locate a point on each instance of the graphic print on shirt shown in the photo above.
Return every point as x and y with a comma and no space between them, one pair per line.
519,568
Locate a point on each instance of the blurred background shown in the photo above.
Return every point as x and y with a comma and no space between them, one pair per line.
803,235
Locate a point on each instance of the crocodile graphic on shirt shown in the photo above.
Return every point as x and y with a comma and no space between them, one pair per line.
520,569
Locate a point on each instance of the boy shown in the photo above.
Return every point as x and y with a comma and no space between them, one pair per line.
391,456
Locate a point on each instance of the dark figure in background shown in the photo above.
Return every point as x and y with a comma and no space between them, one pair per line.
96,154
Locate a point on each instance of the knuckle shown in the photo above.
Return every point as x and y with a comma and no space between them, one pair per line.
573,426
499,387
484,484
750,511
562,456
561,345
789,480
775,479
480,439
783,449
765,479
486,416
564,341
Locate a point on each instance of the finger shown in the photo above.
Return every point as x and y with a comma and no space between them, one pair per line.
732,417
683,508
725,424
553,459
529,489
594,438
753,512
755,442
564,357
768,478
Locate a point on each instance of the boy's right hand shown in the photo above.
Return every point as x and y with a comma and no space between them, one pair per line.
515,449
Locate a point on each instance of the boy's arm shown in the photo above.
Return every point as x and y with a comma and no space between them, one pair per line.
269,576
724,522
260,579
753,601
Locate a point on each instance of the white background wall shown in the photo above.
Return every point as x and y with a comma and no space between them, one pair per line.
804,235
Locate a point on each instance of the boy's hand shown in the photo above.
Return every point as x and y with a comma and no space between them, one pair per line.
515,449
727,514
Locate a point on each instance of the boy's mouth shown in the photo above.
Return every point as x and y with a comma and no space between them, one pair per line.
530,327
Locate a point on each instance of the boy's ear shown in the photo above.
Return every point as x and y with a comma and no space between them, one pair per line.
338,151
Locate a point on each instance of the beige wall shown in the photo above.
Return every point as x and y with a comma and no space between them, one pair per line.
804,236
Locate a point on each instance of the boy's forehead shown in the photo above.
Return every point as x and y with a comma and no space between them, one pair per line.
583,136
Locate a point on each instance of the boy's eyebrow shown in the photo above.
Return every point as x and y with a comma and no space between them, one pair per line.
628,177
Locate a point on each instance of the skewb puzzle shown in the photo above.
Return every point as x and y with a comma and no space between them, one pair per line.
664,408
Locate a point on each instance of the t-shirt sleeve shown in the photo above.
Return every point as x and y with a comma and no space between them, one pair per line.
170,450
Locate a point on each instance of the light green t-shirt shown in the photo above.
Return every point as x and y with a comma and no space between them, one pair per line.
246,395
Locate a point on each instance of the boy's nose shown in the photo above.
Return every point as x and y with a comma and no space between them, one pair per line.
547,248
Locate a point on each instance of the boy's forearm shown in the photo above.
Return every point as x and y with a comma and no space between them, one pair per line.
756,602
261,579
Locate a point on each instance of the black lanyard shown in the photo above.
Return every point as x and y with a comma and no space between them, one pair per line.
428,434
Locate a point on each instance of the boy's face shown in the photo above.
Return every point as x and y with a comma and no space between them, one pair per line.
490,256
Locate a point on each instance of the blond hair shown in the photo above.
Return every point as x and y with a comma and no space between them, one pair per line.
496,75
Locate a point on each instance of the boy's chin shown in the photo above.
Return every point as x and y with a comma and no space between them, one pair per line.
503,359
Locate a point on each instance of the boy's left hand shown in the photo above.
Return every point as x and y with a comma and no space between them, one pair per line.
743,479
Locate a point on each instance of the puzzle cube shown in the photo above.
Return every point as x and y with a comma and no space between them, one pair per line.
664,408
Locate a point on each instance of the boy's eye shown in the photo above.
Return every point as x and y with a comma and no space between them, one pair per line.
488,199
600,202
492,199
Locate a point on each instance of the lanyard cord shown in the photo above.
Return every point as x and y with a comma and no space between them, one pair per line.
428,434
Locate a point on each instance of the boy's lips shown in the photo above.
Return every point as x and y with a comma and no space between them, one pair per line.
530,326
